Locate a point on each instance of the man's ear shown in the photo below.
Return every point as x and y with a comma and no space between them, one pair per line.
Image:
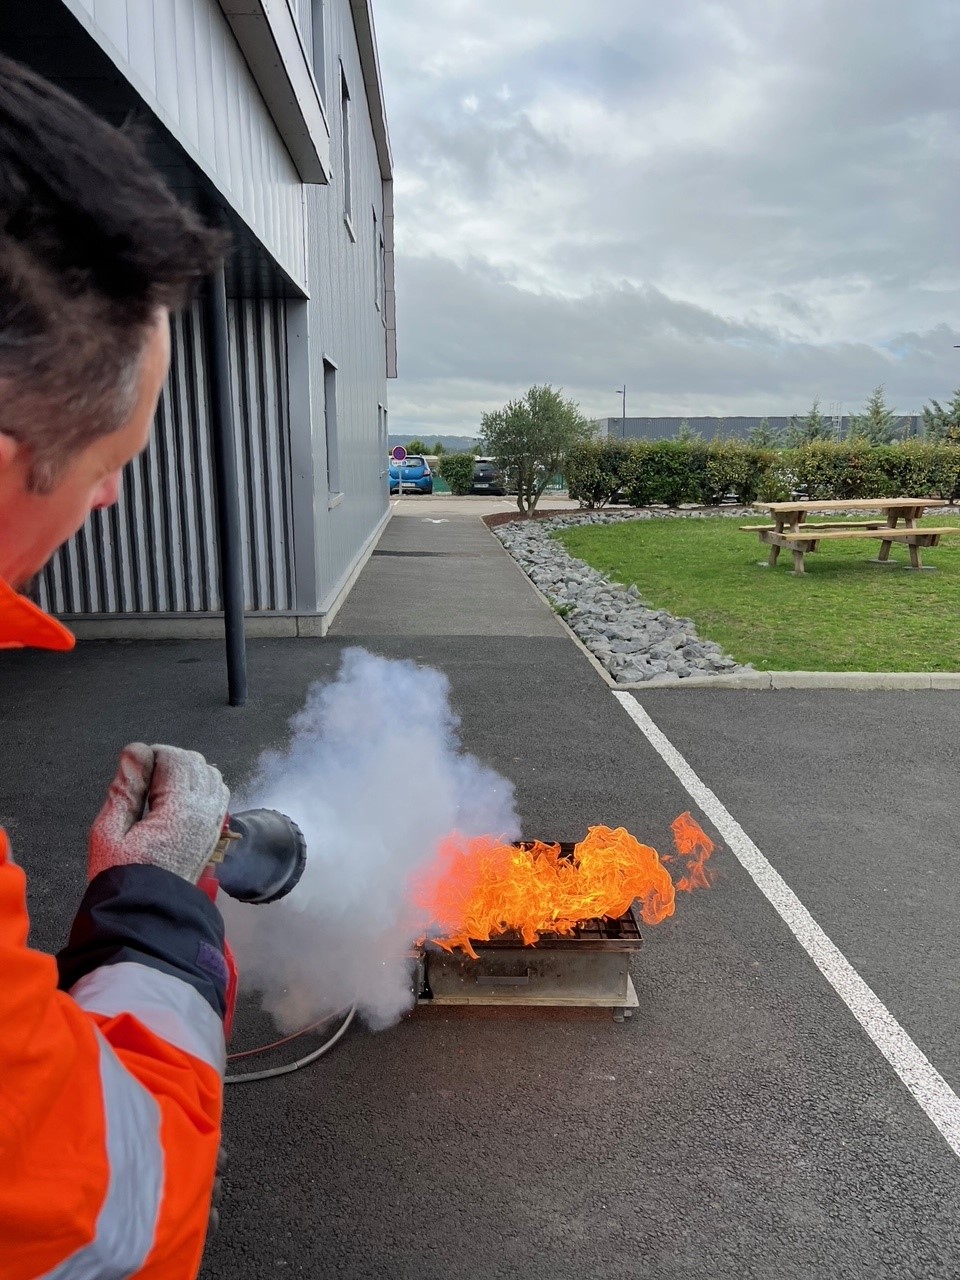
10,451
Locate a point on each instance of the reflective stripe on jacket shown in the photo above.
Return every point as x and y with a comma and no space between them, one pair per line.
110,1090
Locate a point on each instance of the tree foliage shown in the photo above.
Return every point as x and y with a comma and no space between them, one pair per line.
457,470
878,424
530,439
941,423
686,434
763,435
674,472
417,446
814,426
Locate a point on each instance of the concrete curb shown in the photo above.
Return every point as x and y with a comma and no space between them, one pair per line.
862,680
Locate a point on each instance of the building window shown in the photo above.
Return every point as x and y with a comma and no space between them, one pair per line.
377,263
330,427
345,149
381,258
319,50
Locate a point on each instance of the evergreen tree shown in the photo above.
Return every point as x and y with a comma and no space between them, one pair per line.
813,427
878,424
686,434
941,423
764,436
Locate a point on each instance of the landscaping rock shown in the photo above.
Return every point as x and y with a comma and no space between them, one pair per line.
636,644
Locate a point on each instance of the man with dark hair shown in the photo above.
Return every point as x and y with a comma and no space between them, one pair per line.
110,1069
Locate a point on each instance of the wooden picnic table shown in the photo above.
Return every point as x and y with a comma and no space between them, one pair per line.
792,530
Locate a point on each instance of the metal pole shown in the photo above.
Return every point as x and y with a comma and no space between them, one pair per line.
227,487
623,430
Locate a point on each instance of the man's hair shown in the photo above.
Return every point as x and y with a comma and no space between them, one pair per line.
92,243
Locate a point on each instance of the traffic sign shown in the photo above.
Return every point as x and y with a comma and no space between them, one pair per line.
398,453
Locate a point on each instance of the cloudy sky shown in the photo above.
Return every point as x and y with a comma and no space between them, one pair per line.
732,206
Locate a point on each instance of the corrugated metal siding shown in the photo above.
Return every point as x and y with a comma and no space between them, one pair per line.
258,358
181,56
303,12
156,550
345,323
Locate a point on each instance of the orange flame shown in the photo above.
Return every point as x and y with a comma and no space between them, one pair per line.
478,888
692,843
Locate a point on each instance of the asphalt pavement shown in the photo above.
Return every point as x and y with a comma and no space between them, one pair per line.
741,1125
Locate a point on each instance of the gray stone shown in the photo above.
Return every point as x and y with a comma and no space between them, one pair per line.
632,640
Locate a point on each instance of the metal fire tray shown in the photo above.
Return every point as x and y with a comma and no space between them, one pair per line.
587,969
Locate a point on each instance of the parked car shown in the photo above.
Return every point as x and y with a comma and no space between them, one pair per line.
488,478
413,473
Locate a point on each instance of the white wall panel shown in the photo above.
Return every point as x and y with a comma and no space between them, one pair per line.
112,17
344,322
190,53
183,59
142,54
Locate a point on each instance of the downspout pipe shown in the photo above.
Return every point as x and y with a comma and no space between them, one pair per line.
227,487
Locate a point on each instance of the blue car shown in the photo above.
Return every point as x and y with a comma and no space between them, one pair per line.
413,473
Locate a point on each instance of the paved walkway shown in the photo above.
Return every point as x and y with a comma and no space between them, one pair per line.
442,576
741,1127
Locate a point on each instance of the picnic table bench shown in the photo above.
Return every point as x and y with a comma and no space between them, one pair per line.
791,530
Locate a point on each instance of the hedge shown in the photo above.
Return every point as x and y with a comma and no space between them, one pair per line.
457,470
642,472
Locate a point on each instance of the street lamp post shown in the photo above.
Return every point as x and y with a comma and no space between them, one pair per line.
622,391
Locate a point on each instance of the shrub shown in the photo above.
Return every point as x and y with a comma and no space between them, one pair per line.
741,469
595,471
676,471
859,470
457,470
670,471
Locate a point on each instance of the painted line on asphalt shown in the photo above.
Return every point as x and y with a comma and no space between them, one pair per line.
925,1083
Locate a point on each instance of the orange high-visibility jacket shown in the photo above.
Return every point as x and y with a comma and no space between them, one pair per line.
111,1088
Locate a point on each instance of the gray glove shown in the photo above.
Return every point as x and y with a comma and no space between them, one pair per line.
187,802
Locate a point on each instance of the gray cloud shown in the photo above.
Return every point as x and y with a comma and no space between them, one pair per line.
731,207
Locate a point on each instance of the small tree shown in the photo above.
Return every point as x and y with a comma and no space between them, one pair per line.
531,437
878,424
941,423
457,470
438,450
812,427
416,446
763,436
686,434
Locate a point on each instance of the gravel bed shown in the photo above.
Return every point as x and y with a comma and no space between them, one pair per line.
634,642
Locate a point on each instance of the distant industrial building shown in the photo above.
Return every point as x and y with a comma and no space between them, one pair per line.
729,428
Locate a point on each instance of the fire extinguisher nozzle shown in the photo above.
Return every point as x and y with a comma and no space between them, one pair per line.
265,859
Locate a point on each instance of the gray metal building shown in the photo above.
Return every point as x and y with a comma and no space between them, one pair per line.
269,115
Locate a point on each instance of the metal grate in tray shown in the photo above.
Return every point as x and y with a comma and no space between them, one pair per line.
600,933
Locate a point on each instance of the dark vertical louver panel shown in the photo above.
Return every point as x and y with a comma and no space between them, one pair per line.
156,550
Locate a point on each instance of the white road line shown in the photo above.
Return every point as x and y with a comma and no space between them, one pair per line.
913,1067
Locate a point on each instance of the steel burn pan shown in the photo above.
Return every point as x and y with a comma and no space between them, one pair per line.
586,969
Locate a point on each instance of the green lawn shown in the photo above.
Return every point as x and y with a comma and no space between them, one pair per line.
844,614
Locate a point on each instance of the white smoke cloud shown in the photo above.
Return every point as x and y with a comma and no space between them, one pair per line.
375,777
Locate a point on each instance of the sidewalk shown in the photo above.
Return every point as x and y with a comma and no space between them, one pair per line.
442,575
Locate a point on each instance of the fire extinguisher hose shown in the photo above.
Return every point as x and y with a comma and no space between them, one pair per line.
249,1076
